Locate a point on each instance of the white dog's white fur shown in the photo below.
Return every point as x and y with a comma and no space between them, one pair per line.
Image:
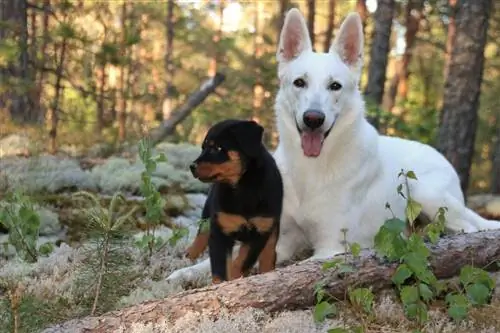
346,185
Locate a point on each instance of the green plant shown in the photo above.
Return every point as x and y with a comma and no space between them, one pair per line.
360,299
19,216
154,202
106,263
416,283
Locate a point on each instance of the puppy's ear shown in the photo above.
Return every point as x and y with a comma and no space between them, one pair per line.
248,134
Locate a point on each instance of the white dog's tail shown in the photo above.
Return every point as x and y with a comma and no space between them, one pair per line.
466,218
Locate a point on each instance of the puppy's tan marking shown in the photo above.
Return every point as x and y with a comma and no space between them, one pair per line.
238,262
267,258
229,172
199,245
262,224
230,222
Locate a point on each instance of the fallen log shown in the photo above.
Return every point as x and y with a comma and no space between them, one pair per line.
291,287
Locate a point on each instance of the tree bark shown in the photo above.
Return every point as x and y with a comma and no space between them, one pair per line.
311,13
216,52
167,127
169,64
399,82
54,117
291,287
452,28
258,89
374,90
122,105
17,99
281,16
363,12
330,26
457,130
495,180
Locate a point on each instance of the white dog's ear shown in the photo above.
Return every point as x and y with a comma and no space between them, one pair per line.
348,43
294,37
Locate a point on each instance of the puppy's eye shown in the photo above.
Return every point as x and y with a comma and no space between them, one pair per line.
299,83
216,148
334,86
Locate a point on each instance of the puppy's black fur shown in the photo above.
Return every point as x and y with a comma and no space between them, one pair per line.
244,202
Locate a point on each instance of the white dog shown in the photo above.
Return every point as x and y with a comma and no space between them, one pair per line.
338,172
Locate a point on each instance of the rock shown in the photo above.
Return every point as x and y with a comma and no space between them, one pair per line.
15,145
493,206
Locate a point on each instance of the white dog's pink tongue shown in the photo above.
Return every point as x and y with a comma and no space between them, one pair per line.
311,143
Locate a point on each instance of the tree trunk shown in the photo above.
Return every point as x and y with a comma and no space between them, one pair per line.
495,180
311,13
216,53
330,25
43,60
374,90
363,12
462,89
452,29
122,107
399,82
281,16
99,123
54,117
17,98
169,64
289,288
258,89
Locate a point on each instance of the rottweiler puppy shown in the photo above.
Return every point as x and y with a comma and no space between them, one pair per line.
244,202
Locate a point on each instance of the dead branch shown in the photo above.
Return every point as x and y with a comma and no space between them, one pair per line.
290,287
167,127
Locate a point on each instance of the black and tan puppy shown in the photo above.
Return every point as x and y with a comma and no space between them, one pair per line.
244,202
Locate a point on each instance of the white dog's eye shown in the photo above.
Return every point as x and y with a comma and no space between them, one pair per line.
334,86
299,83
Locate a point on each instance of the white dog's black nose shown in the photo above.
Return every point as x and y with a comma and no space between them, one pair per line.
313,118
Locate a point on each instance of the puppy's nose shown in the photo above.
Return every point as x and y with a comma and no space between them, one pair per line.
313,118
192,167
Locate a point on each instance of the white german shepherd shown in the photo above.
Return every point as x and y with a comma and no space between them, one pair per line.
338,172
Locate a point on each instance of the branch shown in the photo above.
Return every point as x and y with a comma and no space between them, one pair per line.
167,127
291,287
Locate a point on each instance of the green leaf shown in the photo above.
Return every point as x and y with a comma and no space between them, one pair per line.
402,273
337,330
458,306
410,174
355,249
362,298
478,293
425,292
319,291
409,294
413,209
161,158
417,311
46,248
389,243
470,274
345,268
395,225
323,310
331,264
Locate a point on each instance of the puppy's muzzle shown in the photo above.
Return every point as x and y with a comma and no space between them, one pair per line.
192,167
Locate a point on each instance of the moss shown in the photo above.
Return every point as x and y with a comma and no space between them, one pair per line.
44,174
